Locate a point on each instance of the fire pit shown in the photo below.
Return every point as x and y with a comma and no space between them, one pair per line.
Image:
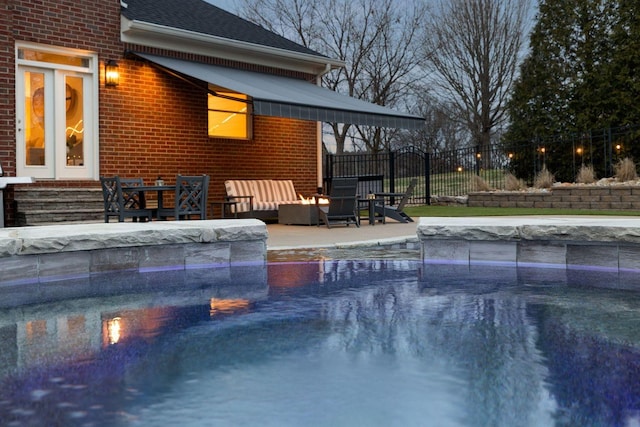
304,212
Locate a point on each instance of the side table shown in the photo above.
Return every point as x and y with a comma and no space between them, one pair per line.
225,208
370,203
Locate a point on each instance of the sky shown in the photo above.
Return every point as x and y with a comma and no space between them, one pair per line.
228,5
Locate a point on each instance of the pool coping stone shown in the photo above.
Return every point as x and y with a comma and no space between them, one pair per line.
572,242
42,253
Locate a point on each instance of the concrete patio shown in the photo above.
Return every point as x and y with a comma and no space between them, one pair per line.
282,237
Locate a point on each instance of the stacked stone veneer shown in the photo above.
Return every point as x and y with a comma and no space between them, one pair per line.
562,197
58,253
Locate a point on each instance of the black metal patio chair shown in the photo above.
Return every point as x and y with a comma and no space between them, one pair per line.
123,204
190,198
342,207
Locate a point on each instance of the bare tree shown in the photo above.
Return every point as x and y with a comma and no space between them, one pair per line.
440,132
391,67
474,48
376,39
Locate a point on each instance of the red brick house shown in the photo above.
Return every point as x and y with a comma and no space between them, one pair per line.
197,90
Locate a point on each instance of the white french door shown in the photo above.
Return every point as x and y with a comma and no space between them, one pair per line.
55,118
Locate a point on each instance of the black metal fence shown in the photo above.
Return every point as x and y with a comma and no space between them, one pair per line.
396,167
563,155
453,172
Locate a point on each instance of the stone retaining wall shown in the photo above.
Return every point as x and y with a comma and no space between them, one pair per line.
561,197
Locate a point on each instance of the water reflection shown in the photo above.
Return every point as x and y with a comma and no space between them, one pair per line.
113,330
347,342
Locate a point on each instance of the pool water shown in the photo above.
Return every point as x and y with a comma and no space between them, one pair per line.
374,342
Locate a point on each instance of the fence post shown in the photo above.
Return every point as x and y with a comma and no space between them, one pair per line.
392,172
328,173
609,169
427,176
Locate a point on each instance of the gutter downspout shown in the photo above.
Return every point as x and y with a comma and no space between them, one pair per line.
319,159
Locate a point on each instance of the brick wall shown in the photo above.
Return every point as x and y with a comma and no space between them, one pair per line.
152,123
569,197
156,135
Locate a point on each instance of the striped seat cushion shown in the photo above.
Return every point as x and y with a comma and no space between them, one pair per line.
263,190
236,188
285,191
267,194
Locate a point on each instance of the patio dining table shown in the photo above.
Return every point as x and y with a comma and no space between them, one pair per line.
145,189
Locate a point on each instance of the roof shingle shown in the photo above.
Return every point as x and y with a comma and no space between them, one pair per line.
202,17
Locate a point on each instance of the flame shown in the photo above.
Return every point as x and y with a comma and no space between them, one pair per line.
312,200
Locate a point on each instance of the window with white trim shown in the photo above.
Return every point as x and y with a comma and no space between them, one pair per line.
229,115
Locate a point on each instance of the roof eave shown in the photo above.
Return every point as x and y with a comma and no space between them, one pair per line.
163,37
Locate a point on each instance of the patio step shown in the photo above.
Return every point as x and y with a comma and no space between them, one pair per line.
43,205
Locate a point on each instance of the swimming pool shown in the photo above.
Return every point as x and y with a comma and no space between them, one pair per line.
371,342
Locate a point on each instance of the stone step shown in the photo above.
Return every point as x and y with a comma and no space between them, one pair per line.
44,205
41,217
30,193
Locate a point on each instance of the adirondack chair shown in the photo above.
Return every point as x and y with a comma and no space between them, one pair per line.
397,212
342,205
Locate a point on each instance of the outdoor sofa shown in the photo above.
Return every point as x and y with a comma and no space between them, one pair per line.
260,198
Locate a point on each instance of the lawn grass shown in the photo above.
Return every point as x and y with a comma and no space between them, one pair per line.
452,211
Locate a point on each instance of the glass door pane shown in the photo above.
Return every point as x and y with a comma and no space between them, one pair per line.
35,120
74,131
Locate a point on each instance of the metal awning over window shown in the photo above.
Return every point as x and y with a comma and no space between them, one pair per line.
292,98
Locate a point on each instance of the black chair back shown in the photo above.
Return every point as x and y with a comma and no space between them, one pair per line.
191,196
342,200
111,195
407,194
132,199
342,203
123,204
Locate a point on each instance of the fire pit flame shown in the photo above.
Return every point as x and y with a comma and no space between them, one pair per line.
312,200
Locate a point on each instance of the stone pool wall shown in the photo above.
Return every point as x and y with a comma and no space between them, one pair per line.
588,244
63,252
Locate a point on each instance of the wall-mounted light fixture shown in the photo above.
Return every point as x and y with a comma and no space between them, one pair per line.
111,73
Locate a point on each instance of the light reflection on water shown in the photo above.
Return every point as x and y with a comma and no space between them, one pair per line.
333,343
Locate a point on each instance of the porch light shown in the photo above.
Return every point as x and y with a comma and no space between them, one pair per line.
111,74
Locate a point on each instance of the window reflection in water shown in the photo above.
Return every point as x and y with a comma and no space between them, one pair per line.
113,330
227,306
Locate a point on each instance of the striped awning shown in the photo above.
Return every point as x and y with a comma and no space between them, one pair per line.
292,98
